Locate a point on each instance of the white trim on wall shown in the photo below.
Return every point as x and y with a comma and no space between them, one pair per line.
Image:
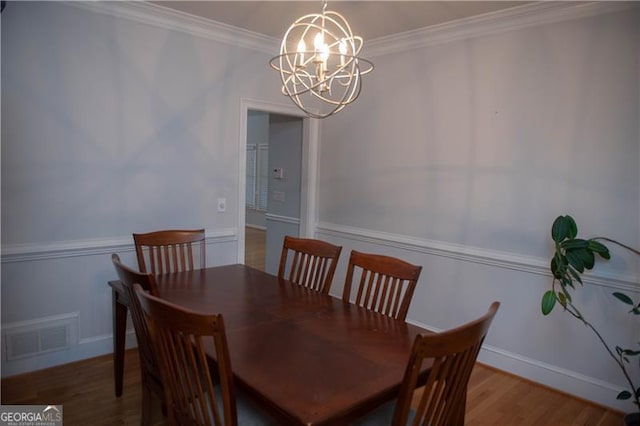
528,15
565,380
282,219
85,348
170,19
76,248
568,381
524,16
521,263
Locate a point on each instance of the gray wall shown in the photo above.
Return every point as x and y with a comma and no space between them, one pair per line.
283,218
111,126
458,156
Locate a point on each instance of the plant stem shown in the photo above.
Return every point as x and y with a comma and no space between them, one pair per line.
618,359
631,249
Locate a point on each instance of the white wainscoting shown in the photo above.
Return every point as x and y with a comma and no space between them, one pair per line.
70,278
521,364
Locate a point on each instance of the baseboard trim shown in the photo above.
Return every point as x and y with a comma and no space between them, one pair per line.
86,348
559,379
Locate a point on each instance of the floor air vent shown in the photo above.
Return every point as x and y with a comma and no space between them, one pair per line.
41,336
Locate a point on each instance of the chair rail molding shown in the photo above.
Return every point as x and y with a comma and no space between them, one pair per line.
282,219
90,247
522,263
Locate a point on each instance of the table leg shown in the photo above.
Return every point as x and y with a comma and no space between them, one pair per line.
119,335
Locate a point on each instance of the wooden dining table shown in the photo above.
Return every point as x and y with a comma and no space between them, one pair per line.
304,357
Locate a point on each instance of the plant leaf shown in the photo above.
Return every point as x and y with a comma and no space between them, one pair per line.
575,260
623,298
560,229
575,274
587,257
599,248
555,268
548,302
574,244
573,228
624,395
562,298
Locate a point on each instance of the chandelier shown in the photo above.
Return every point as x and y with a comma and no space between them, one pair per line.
319,63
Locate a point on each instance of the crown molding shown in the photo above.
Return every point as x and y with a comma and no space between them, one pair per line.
515,18
518,17
174,20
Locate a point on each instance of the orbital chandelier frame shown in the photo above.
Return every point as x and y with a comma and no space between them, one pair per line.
321,81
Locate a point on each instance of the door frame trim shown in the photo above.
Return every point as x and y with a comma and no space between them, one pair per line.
308,177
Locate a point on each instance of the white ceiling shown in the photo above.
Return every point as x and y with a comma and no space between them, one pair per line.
368,19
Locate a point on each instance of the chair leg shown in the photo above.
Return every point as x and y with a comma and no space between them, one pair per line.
146,406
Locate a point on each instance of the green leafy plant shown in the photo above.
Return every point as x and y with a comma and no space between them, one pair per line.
571,258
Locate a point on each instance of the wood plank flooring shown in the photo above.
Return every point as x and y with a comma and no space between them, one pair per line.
85,389
254,254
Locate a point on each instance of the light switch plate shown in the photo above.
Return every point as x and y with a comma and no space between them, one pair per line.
222,204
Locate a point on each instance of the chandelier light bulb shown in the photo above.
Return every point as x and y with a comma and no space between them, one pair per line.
322,81
302,47
343,51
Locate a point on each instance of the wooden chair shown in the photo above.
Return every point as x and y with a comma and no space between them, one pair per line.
443,398
170,250
149,369
180,337
313,265
386,283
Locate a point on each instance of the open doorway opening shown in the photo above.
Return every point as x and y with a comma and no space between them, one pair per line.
282,173
273,185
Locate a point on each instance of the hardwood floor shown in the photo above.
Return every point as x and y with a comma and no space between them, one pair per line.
254,254
85,389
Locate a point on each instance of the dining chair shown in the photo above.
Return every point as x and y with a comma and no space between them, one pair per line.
149,369
180,337
170,250
442,400
386,284
313,262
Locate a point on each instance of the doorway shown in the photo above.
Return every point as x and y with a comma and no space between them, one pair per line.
278,168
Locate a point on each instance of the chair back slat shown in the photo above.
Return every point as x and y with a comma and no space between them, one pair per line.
168,251
312,265
181,338
385,285
453,354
